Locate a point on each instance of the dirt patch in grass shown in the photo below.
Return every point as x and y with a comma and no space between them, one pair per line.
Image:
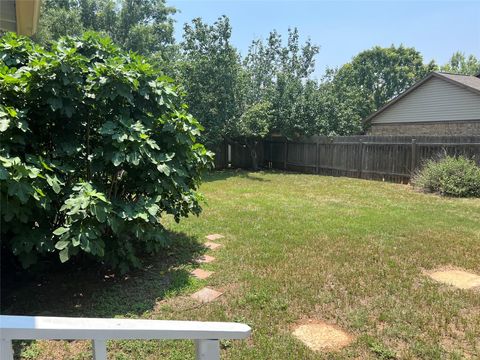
213,237
320,336
458,346
206,295
459,278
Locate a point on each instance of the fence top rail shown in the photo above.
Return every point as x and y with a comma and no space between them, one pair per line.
417,143
451,144
448,144
377,139
67,328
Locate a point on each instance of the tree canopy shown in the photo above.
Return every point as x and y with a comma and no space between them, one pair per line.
369,81
144,26
461,64
209,69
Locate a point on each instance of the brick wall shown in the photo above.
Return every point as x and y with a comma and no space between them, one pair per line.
433,128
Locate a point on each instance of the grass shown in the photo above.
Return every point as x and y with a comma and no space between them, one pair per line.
345,251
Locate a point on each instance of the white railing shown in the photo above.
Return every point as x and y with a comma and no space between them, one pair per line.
207,335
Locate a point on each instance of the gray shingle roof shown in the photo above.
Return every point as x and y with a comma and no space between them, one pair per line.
467,80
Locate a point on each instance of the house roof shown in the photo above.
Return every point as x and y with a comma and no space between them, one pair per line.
472,82
468,82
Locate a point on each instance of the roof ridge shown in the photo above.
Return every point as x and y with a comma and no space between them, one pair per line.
450,73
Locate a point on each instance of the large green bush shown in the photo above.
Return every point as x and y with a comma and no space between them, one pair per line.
450,176
95,147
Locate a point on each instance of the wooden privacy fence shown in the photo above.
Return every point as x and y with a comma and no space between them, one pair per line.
237,156
390,158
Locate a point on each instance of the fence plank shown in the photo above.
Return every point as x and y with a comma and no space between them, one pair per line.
414,156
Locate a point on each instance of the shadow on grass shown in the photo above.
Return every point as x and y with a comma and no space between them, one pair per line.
217,175
92,291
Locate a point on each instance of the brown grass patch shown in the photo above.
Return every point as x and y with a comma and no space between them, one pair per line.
320,336
54,349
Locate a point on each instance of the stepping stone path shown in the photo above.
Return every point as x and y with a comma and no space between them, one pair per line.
319,336
213,237
212,246
205,259
458,278
201,274
206,295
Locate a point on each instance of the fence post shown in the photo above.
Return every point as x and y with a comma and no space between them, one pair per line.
271,153
317,156
226,163
414,156
285,155
360,163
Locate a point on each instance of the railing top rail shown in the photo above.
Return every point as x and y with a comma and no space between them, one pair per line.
66,328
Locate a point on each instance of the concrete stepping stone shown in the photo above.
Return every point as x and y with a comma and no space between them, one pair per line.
206,295
212,245
319,336
205,259
201,274
213,237
458,278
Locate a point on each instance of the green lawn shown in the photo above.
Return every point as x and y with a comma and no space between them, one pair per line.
346,251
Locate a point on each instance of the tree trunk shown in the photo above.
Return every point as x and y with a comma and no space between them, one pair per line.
253,155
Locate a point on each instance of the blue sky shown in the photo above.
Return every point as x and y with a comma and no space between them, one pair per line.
342,29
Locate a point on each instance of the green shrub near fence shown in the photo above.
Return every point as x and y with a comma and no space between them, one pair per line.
95,147
450,176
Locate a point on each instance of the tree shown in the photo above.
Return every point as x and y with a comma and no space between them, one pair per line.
253,125
369,81
294,106
95,148
461,64
270,65
384,73
274,83
209,69
309,111
58,19
144,26
340,107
